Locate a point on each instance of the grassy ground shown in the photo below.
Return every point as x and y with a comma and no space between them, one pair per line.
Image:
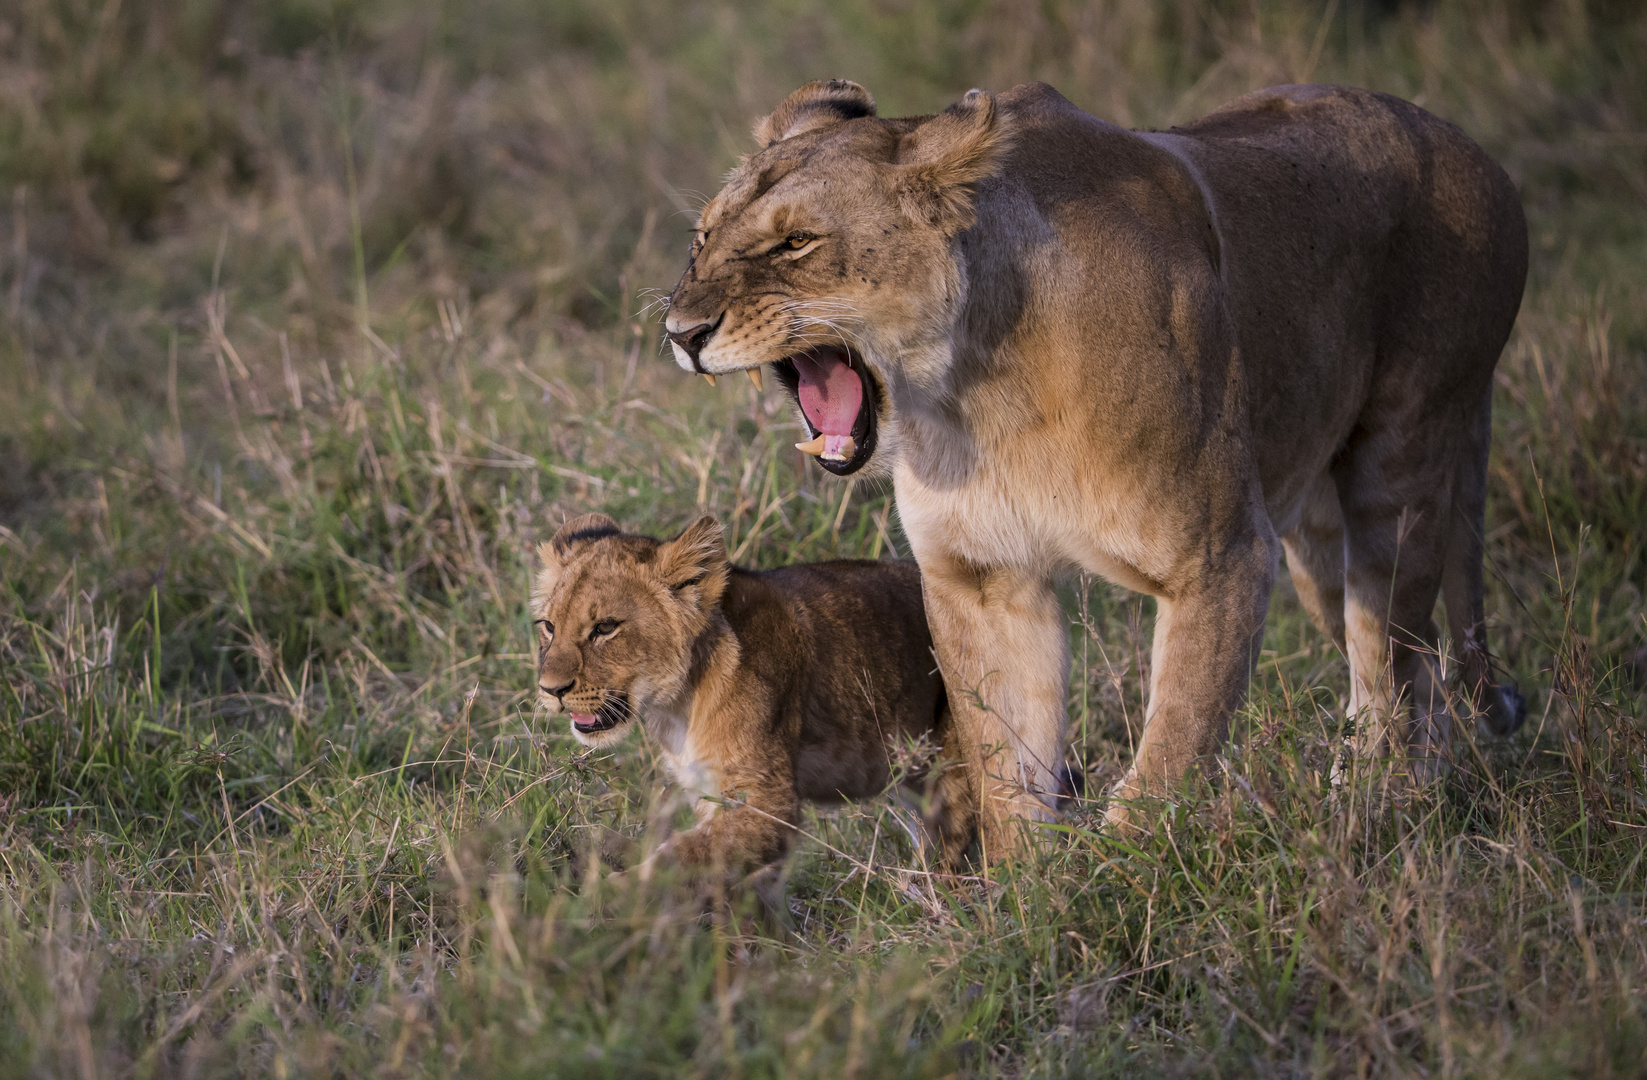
316,315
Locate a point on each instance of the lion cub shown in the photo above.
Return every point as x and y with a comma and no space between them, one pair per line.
764,689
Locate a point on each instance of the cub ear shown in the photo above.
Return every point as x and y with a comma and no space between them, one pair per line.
948,154
580,530
813,106
696,556
576,532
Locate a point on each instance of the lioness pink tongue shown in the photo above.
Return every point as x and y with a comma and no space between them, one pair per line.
830,391
582,718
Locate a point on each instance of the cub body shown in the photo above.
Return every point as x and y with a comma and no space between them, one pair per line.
765,689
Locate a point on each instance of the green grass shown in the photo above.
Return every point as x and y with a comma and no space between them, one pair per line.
316,316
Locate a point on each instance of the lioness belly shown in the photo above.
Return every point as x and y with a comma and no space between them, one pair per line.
1053,521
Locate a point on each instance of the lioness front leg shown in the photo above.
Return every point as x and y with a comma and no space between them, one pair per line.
1207,637
1000,639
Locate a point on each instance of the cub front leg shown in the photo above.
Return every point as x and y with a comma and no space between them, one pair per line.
755,826
1207,636
951,801
999,635
738,846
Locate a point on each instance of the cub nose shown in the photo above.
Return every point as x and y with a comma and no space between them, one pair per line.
557,691
692,340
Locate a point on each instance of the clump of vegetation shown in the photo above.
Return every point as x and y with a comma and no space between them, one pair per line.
316,316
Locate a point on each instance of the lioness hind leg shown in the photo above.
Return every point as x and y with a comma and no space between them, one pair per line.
1396,493
1501,707
1315,559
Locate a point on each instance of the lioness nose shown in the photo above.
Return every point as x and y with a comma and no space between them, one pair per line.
693,338
556,691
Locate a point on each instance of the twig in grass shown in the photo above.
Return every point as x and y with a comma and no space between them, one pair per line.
535,783
184,495
451,669
357,781
388,849
265,799
754,533
373,657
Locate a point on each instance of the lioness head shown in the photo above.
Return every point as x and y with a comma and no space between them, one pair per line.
827,256
616,616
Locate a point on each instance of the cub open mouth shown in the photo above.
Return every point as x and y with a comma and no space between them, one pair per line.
614,711
837,396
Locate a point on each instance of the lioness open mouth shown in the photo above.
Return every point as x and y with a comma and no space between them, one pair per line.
613,711
837,394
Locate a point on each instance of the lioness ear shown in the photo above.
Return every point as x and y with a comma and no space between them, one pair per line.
945,156
815,105
696,556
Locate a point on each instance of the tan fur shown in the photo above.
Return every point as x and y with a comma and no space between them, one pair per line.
763,688
1161,357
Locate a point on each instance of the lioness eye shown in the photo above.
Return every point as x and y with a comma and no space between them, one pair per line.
798,240
603,628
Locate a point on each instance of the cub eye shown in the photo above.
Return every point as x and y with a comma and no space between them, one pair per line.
545,625
604,628
797,240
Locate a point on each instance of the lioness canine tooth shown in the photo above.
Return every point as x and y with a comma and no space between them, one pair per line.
754,374
815,447
710,377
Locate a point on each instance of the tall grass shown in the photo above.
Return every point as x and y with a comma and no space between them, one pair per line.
317,316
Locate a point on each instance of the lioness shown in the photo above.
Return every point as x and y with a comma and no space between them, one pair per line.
765,688
1164,357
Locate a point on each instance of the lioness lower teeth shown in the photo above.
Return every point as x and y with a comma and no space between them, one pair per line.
830,447
710,377
754,374
839,448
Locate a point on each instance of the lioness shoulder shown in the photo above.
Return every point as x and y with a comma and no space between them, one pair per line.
764,689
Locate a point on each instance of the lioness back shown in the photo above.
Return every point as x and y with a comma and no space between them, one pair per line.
1355,247
1422,280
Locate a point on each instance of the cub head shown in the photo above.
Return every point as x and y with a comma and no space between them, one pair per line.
827,256
616,616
